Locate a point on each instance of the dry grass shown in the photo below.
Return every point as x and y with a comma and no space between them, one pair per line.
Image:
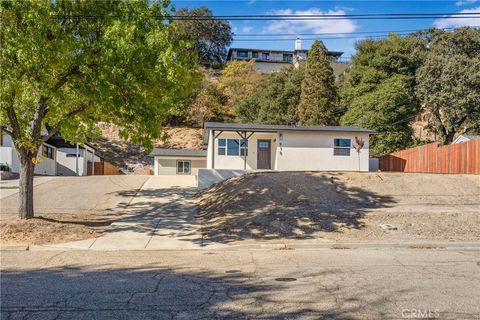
53,228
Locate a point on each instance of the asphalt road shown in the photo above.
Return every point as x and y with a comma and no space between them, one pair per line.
238,284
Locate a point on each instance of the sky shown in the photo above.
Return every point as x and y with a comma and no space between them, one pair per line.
243,30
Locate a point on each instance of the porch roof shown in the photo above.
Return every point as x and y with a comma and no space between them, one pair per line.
179,153
249,127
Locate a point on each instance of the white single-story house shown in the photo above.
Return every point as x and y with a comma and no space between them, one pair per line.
178,161
465,138
235,146
72,160
9,157
58,157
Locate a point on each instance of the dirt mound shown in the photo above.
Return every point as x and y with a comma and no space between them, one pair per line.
342,207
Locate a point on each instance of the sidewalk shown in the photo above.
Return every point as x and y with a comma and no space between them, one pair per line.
160,216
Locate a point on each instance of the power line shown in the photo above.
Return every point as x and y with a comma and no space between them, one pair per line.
392,16
323,38
367,16
329,33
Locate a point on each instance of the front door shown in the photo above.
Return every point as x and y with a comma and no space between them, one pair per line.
264,154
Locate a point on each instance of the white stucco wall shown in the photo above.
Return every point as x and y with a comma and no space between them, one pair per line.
66,165
298,151
164,165
237,162
314,151
269,67
9,156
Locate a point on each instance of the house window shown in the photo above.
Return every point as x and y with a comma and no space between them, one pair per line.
287,57
242,54
232,147
222,147
255,54
48,152
341,147
244,147
183,167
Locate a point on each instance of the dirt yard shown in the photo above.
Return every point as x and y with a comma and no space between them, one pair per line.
342,207
53,228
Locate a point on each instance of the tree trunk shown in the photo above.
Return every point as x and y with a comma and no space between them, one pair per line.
447,138
27,167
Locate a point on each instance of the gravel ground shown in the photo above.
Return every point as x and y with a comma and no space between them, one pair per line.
346,207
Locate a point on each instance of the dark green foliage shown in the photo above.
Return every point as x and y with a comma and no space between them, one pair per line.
318,100
211,37
449,82
276,102
379,91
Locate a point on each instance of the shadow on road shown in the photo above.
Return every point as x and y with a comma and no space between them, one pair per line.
152,292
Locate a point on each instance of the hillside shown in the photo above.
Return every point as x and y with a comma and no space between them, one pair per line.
131,158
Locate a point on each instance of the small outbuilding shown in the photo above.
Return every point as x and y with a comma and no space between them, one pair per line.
178,161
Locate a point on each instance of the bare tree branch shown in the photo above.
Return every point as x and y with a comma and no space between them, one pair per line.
12,117
56,128
9,132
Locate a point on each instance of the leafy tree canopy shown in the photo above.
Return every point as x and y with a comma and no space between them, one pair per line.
211,37
379,91
238,80
276,102
449,82
70,64
319,99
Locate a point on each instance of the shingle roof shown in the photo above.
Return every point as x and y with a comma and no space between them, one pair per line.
178,152
270,128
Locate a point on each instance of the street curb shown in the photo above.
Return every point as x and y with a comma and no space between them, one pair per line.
14,247
267,246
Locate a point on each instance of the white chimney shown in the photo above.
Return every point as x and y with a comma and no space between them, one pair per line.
298,44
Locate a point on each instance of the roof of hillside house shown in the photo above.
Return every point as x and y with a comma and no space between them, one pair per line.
466,137
273,128
59,142
330,53
178,152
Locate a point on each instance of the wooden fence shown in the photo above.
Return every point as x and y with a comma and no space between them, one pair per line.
102,168
455,158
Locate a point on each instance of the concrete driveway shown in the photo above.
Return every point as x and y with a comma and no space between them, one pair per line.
97,194
160,216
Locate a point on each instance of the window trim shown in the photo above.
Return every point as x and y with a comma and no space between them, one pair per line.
242,55
339,147
183,167
45,152
242,149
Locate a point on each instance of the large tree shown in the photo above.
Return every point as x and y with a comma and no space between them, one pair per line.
68,64
276,102
211,36
449,82
379,90
238,80
319,99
